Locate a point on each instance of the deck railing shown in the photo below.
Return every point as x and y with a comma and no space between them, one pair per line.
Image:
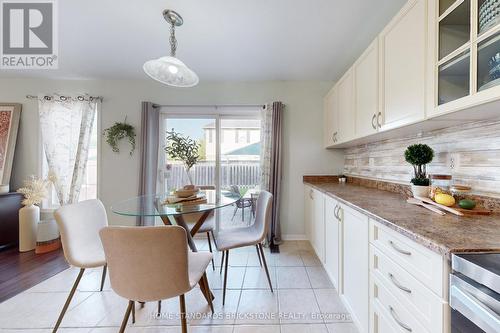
245,174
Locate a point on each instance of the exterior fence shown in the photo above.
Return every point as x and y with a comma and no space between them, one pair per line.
245,174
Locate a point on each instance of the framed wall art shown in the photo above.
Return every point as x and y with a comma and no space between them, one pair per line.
10,114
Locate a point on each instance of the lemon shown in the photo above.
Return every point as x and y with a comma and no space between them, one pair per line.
444,199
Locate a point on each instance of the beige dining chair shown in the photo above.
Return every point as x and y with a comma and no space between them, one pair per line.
79,226
252,235
149,264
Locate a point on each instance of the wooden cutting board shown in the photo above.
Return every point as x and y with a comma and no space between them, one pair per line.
475,211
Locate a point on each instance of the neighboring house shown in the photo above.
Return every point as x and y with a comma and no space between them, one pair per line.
236,134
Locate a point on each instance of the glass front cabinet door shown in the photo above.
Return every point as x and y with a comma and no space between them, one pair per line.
468,52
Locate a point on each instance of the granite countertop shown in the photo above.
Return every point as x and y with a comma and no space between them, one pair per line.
442,234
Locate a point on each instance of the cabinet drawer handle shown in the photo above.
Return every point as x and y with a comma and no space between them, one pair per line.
373,121
397,248
335,212
397,320
338,214
397,284
311,194
378,119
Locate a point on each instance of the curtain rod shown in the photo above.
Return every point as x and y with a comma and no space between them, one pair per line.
209,106
64,98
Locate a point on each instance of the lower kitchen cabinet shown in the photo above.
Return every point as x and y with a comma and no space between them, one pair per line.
355,265
333,242
388,282
315,220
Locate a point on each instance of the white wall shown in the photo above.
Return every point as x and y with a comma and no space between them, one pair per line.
303,152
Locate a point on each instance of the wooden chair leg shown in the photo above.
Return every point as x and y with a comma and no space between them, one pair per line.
142,304
222,261
103,277
127,315
133,312
225,278
68,300
210,249
265,267
258,254
182,302
207,290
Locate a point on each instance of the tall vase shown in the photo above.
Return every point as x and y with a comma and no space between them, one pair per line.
28,221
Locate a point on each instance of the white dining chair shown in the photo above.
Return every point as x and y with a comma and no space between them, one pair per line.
252,235
149,264
79,225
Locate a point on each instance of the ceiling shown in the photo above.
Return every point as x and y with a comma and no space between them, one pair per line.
221,40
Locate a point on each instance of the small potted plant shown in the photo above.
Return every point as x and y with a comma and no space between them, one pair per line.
419,155
183,148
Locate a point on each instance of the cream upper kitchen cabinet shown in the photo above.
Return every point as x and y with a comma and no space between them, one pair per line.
346,112
333,242
366,92
330,117
356,265
403,54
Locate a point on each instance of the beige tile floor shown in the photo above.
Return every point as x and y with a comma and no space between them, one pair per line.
304,300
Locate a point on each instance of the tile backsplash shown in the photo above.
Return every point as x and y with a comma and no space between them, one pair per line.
470,153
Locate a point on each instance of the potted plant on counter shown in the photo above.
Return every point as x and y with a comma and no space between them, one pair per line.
419,155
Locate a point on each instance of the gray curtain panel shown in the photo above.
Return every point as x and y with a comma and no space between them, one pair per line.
148,149
271,160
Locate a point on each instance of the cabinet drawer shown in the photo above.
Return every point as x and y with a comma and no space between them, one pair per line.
425,265
396,314
421,301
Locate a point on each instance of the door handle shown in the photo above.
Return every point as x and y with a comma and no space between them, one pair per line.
336,211
397,284
378,120
397,320
373,121
397,248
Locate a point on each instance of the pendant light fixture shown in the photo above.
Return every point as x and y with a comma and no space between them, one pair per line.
170,70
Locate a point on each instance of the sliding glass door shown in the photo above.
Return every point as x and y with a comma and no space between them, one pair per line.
229,157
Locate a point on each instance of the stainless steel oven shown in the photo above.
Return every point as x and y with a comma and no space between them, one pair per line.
475,293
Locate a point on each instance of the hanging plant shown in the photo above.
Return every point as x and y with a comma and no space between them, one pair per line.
118,132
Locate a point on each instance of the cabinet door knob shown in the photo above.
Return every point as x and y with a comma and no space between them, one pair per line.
379,122
373,121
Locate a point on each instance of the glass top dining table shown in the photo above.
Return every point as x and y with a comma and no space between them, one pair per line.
155,205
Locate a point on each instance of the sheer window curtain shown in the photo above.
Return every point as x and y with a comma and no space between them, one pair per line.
271,165
66,126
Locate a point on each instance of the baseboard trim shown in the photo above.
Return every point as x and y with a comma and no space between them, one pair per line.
291,237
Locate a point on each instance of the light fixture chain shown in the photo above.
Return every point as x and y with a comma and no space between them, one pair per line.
173,40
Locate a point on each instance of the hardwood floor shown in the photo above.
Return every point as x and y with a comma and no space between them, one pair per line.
21,271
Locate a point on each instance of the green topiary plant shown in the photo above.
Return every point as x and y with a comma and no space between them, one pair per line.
118,132
419,155
182,148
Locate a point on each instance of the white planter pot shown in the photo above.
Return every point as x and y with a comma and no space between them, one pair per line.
28,222
420,191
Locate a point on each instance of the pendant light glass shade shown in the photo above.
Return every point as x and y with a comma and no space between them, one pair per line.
170,70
